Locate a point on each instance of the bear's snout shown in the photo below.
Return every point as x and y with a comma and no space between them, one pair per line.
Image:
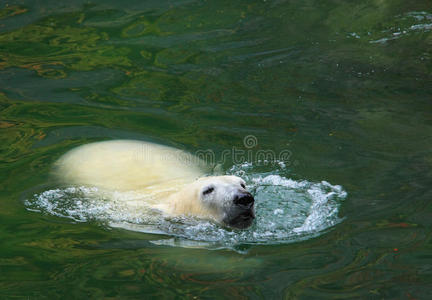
244,199
241,214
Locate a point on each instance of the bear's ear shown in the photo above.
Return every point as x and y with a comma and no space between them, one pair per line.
208,190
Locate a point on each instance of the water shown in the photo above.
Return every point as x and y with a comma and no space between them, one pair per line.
286,211
341,89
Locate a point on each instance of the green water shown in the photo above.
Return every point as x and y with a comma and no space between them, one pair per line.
345,86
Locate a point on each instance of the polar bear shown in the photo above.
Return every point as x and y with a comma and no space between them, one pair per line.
168,179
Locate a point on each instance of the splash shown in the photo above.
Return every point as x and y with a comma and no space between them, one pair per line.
287,211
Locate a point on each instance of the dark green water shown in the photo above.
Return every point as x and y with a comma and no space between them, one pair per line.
345,86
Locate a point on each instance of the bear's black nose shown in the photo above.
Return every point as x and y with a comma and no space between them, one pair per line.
244,199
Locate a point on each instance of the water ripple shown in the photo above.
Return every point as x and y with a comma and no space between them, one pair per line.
287,211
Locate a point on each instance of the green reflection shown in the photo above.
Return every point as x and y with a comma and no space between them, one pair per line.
344,85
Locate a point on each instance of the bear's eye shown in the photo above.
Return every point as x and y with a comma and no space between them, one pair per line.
243,185
208,190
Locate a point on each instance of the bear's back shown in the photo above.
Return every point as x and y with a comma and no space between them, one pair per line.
127,165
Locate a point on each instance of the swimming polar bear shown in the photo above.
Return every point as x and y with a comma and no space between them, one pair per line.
168,179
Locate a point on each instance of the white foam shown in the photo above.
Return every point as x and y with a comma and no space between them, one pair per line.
287,210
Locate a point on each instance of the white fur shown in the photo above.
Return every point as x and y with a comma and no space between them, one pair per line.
168,179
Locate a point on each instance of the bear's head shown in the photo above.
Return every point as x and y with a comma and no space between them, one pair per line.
223,198
228,197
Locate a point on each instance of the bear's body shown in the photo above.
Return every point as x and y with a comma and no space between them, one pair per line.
125,165
168,179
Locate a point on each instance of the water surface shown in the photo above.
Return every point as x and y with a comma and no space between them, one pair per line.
344,86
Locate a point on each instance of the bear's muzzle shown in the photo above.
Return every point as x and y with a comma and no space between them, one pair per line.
241,214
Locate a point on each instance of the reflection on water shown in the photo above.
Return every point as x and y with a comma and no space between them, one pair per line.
409,23
343,85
